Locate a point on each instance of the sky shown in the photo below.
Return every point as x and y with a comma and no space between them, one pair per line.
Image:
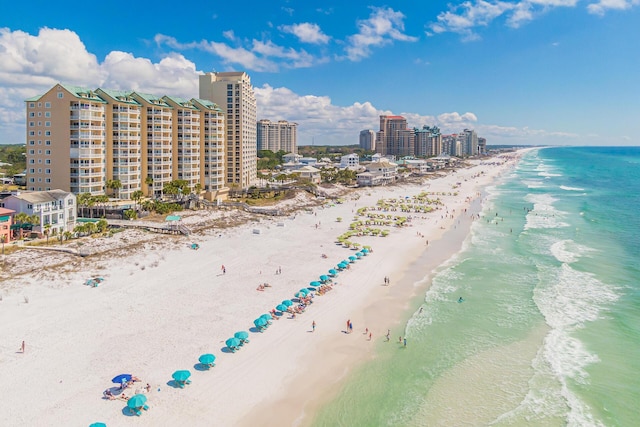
550,72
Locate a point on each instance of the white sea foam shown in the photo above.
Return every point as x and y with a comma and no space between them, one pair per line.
549,174
543,214
567,299
568,251
531,183
566,188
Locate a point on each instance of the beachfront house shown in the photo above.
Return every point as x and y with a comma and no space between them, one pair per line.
55,209
381,172
417,166
310,173
351,161
6,219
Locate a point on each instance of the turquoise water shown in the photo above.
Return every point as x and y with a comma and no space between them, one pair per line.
548,333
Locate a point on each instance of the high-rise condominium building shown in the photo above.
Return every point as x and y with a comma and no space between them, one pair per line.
368,139
233,92
470,143
428,141
276,136
81,140
395,137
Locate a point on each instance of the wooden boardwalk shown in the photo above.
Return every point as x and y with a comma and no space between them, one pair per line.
156,227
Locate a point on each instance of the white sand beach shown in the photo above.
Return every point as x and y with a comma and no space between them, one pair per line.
162,304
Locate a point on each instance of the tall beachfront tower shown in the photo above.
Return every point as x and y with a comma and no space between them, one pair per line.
233,92
276,136
66,141
79,140
394,135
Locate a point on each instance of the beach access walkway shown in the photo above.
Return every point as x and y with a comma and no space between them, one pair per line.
169,227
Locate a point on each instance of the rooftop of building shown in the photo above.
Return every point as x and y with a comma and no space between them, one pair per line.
41,196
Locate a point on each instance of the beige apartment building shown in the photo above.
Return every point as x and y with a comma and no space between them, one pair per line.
233,92
276,136
79,140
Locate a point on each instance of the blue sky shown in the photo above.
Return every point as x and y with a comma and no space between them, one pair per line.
519,72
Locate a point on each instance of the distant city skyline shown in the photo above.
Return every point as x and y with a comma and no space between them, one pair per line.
525,72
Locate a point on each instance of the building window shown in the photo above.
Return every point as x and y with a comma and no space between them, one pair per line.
47,161
60,95
32,114
32,171
47,113
48,142
32,142
32,152
32,105
32,133
32,124
32,180
47,180
39,113
47,171
47,152
47,133
32,161
47,124
47,105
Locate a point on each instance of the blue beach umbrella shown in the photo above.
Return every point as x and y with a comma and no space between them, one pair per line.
281,307
344,261
352,258
342,266
314,284
241,335
232,342
136,401
207,359
180,376
333,272
358,254
98,425
365,251
304,291
299,295
266,317
259,322
122,378
324,277
287,302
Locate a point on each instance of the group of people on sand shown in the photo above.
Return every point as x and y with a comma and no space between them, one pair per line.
262,286
109,394
323,289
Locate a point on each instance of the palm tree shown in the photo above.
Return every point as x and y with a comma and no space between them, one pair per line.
149,181
83,201
47,231
67,235
136,196
102,225
115,185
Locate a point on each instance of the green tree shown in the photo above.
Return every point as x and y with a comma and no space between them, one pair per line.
136,196
149,181
47,231
115,185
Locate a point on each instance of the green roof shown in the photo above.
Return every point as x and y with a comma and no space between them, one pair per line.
208,104
123,96
33,98
185,103
83,93
152,99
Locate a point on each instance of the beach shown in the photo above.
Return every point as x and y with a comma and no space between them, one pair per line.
162,304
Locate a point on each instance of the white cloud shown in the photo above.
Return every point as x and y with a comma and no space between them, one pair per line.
602,6
306,32
22,75
381,28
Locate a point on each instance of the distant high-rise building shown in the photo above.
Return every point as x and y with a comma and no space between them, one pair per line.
470,143
482,145
368,140
394,135
233,92
276,136
428,141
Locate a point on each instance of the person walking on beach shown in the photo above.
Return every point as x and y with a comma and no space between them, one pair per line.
388,333
405,342
370,336
224,270
348,323
400,340
313,326
22,347
350,327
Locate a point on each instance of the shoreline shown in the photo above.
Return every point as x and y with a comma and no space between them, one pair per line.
394,303
163,304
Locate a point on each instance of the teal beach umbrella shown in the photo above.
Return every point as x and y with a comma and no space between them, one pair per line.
181,375
241,335
136,401
207,359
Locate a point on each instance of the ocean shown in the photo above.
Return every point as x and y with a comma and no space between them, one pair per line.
547,330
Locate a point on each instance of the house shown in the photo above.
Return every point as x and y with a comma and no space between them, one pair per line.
378,173
56,209
417,166
310,173
351,161
291,158
6,219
